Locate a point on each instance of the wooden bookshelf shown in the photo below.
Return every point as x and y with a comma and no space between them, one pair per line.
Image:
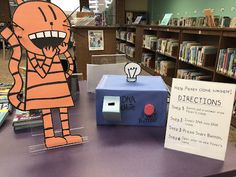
130,58
218,37
149,70
128,40
225,75
222,38
211,69
148,49
167,54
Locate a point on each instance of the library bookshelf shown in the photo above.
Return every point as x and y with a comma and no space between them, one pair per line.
159,49
186,52
126,41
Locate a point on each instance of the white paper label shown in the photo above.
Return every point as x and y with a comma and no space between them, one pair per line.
199,117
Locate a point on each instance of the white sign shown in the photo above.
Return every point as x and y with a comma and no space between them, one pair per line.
199,117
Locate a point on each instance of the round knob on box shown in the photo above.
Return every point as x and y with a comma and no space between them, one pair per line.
149,109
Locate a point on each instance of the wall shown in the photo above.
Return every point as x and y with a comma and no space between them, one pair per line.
183,8
82,54
136,5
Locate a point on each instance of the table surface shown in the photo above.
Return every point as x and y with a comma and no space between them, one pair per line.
114,151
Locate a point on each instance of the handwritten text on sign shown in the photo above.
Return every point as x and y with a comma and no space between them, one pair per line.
199,117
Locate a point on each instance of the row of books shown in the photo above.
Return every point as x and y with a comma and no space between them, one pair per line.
131,37
5,106
201,21
5,110
26,120
149,41
167,46
227,62
167,68
164,67
148,59
130,51
195,53
121,47
161,64
124,48
126,36
193,74
121,35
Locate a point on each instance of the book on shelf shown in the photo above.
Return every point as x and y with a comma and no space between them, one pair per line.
159,41
181,73
163,45
122,47
187,50
158,60
130,51
3,117
153,45
207,56
184,53
172,47
227,61
149,41
5,106
130,37
3,99
117,34
191,21
167,68
167,46
27,119
123,35
200,21
148,60
118,46
193,74
5,110
195,53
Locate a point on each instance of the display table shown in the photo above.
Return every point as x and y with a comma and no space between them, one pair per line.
115,151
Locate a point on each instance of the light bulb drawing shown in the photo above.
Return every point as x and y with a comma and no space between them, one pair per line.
132,70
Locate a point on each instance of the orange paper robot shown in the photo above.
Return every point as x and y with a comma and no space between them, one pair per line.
43,30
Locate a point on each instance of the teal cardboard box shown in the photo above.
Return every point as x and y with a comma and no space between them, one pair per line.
142,103
111,108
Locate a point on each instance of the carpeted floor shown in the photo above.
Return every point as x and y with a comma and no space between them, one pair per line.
5,77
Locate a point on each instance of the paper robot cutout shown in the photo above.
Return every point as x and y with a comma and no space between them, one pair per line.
43,29
132,71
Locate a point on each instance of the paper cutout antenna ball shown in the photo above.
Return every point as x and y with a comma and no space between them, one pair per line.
43,29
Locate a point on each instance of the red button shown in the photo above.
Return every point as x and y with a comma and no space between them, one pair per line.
149,109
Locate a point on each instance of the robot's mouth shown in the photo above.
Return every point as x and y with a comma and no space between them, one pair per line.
47,38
